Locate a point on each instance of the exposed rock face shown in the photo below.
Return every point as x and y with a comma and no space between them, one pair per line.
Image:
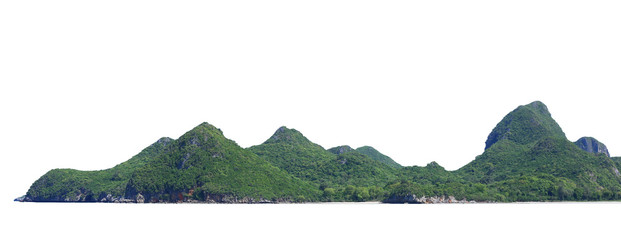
222,198
139,198
427,200
164,141
281,133
591,145
340,149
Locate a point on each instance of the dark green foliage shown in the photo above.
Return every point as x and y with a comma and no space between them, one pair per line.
532,145
458,189
291,151
554,156
75,185
378,156
539,187
617,161
204,162
350,193
524,125
433,173
434,180
340,149
527,158
357,169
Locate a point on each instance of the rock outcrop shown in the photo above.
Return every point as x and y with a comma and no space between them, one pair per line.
412,198
340,149
591,145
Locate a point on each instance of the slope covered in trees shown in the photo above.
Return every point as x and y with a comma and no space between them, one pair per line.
378,156
201,165
339,166
75,185
526,158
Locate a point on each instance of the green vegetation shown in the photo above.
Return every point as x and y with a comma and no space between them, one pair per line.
75,185
203,162
336,167
617,161
532,160
289,150
527,158
351,193
341,149
378,156
525,124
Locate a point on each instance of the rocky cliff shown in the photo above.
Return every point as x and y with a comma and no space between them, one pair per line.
591,145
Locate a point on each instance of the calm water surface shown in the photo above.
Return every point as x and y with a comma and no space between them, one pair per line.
313,221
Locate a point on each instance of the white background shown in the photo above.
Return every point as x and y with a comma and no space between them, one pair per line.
88,84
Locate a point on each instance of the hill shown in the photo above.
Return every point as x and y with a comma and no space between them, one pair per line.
339,166
202,165
525,124
108,185
528,158
378,156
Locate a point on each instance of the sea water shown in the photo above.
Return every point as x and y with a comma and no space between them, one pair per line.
311,221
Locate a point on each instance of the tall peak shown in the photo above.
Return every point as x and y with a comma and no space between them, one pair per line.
525,124
539,107
287,135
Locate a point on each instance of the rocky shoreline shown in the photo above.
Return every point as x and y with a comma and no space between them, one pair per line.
413,199
139,198
228,199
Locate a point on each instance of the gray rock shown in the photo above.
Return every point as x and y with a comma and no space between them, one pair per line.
340,149
411,198
139,198
126,200
591,145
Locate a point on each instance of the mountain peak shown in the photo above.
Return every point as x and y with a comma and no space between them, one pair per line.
591,145
201,134
525,124
434,165
164,141
340,149
539,106
287,135
206,125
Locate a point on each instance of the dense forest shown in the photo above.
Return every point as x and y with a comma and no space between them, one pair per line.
527,157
